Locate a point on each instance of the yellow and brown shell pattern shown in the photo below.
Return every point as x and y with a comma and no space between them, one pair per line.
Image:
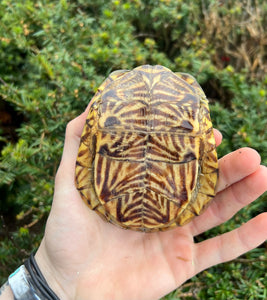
147,159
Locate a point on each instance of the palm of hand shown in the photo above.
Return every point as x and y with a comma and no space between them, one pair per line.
96,260
109,258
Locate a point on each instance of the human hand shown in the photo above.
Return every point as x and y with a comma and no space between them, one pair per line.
83,257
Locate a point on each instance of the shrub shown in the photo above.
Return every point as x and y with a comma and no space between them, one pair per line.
54,55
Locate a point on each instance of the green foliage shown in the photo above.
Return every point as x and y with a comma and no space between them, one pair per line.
54,55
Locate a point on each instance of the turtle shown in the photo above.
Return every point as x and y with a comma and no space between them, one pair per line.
147,159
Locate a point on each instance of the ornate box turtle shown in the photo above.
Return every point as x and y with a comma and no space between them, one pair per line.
147,159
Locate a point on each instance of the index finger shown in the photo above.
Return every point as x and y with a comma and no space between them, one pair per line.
237,165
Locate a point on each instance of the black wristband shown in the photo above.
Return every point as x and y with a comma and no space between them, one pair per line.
38,280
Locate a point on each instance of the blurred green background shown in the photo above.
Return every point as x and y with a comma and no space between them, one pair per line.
54,55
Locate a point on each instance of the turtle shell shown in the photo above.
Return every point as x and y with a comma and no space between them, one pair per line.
147,159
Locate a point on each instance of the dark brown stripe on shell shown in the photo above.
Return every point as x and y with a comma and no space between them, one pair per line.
99,170
183,194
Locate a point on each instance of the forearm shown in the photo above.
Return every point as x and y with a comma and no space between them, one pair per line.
6,292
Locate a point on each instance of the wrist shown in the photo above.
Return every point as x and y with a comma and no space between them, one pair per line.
53,279
6,292
24,287
29,283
